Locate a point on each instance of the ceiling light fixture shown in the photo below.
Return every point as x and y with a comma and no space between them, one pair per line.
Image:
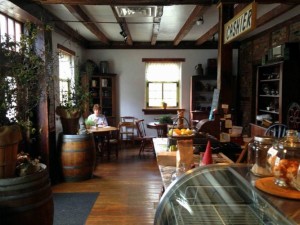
123,33
136,11
200,21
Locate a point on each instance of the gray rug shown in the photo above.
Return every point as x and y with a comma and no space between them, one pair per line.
73,208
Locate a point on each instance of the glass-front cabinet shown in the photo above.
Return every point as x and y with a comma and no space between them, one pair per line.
277,87
103,92
222,194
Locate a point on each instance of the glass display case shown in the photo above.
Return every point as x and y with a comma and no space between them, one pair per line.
222,194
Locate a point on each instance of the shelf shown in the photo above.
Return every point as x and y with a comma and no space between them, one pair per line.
268,111
270,96
277,87
270,80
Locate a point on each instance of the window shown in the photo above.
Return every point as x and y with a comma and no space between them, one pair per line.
10,30
66,74
162,83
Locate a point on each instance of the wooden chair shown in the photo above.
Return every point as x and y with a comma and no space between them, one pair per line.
162,130
127,129
277,130
114,143
146,141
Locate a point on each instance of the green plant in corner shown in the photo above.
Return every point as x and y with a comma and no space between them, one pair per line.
21,70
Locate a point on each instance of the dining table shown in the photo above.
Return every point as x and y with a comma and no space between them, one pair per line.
103,133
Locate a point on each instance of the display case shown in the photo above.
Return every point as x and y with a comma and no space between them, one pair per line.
103,92
222,194
201,92
277,86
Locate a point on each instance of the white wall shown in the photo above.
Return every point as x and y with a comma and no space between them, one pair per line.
131,75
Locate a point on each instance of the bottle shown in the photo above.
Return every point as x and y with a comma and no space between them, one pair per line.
260,147
284,160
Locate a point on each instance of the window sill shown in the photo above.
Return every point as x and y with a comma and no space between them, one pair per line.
161,111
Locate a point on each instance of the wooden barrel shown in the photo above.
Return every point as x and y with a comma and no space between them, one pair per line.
78,157
10,136
8,160
26,200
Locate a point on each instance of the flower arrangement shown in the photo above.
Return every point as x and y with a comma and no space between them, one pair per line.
26,165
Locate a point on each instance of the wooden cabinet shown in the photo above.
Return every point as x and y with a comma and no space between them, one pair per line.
103,92
201,94
277,86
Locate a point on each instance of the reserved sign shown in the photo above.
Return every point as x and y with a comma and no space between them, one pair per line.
242,23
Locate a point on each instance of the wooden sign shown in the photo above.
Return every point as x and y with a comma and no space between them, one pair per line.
242,23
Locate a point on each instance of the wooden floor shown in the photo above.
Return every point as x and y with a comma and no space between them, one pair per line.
129,189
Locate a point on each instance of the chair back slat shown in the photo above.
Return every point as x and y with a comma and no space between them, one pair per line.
276,130
140,128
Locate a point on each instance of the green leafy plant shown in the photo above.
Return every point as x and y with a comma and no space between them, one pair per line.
74,100
165,119
21,72
88,122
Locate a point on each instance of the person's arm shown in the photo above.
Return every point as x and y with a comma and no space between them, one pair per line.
105,123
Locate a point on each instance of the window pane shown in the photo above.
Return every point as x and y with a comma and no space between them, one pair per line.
18,31
163,72
11,28
170,94
155,94
66,76
3,27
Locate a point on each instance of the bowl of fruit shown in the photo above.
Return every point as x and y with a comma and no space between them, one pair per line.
183,133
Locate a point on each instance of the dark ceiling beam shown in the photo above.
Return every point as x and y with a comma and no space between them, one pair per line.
190,22
82,16
160,2
123,25
128,2
279,10
156,24
260,1
158,45
208,35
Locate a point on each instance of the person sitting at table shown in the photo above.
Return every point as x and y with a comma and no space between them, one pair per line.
97,116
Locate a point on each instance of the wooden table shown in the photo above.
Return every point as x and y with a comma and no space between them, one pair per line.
167,165
103,133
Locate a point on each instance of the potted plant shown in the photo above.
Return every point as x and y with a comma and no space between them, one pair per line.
164,105
165,120
72,105
89,123
21,71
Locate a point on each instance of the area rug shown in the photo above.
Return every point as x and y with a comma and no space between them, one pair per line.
72,208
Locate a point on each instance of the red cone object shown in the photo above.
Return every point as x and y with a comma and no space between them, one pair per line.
207,158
